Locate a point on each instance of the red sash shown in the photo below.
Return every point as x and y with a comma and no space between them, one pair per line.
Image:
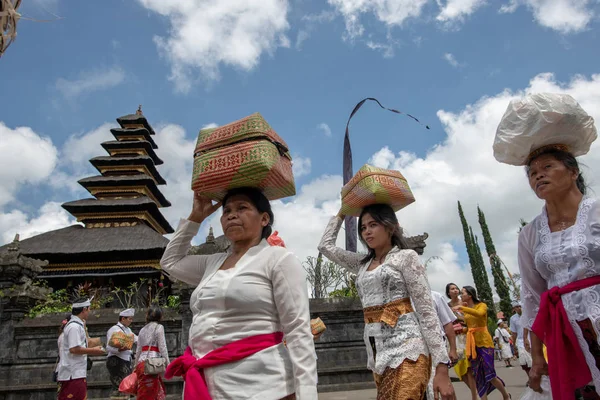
567,367
190,368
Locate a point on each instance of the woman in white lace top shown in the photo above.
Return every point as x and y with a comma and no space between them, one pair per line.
401,342
561,246
151,344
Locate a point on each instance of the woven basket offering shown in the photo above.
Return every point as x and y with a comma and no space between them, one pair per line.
94,342
372,185
121,340
317,326
244,153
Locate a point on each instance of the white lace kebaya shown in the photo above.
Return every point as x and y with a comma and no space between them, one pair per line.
549,259
400,276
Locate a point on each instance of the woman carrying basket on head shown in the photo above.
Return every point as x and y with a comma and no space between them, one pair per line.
402,341
248,299
559,252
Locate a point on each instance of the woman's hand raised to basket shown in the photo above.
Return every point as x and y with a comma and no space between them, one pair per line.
203,208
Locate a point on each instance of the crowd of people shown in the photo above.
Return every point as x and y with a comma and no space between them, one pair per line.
251,335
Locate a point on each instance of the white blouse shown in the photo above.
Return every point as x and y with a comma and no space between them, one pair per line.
151,335
400,276
549,259
265,292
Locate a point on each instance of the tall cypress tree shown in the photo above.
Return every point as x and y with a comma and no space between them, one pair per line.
468,244
499,280
482,282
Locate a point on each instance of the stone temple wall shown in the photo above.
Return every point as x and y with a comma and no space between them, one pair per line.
28,350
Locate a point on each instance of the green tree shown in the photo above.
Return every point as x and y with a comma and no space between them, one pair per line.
468,243
323,276
500,284
484,290
522,224
477,267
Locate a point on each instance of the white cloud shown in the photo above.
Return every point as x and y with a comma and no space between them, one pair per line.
310,23
90,81
386,48
325,128
301,166
564,16
451,60
510,7
463,168
207,34
79,148
390,12
210,125
49,217
27,158
457,10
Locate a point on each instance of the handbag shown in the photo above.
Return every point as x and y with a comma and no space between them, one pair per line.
55,373
155,365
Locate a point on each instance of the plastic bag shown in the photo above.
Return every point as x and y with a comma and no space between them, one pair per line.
129,384
540,120
545,395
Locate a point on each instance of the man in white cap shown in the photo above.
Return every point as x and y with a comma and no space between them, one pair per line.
118,361
518,337
72,367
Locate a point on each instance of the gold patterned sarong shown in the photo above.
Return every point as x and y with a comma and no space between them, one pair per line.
406,382
388,313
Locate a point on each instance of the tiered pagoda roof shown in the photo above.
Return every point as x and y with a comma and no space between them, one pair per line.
122,225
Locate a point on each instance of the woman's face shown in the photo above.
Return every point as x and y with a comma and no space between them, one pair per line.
241,220
454,291
549,177
465,295
373,233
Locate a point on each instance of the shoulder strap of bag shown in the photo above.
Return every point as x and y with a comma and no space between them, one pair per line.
154,340
81,325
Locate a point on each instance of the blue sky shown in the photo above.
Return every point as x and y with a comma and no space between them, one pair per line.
304,65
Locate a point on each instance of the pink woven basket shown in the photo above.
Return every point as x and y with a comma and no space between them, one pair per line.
372,185
244,153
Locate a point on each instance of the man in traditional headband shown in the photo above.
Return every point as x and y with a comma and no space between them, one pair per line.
72,367
119,358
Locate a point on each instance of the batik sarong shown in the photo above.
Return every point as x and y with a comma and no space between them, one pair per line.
118,369
484,370
406,382
150,387
74,389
